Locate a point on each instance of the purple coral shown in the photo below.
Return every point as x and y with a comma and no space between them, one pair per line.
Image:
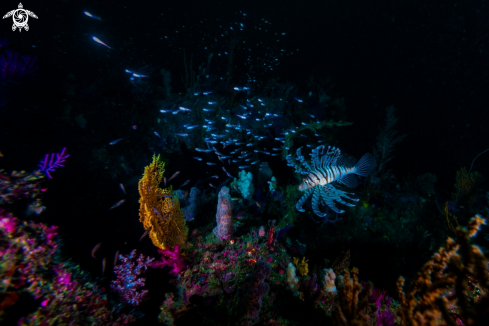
51,163
224,216
128,283
11,66
171,258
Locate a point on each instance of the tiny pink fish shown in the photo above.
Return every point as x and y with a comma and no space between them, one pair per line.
210,184
100,42
164,181
115,257
174,175
122,188
145,233
104,264
185,183
134,127
119,203
94,250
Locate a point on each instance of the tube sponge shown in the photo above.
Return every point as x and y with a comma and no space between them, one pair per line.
224,215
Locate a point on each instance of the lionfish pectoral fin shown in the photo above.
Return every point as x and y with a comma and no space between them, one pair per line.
330,194
303,199
316,197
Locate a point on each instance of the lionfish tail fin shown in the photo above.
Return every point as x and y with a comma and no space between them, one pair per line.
365,165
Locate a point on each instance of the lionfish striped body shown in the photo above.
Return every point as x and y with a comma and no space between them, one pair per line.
324,169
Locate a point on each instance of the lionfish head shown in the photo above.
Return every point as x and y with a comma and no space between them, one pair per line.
305,184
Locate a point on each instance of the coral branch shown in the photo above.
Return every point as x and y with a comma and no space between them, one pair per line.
51,163
128,283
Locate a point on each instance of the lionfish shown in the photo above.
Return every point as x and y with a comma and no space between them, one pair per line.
325,169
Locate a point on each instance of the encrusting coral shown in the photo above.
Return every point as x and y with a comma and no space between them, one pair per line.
159,209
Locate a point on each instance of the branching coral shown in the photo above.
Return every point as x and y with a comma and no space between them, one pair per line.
352,300
159,209
442,284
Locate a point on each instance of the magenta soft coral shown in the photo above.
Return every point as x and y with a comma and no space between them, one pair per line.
173,259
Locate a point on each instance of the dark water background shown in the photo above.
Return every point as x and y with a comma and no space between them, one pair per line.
430,61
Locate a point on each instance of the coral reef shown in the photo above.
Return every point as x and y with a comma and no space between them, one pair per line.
224,216
171,258
22,185
329,280
159,209
440,288
292,280
128,282
252,293
301,265
28,269
352,300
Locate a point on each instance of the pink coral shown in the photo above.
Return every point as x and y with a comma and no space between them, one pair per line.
173,259
8,224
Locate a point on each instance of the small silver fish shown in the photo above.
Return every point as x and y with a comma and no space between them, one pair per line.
185,183
119,203
209,163
198,158
157,212
122,188
173,176
115,141
243,167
